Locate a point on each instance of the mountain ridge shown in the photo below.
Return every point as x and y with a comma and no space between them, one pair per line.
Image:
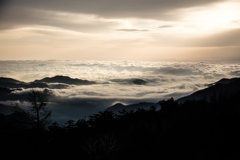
224,85
63,82
64,79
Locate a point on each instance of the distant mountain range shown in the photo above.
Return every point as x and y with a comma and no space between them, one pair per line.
136,81
64,79
142,105
12,83
57,82
222,86
8,85
62,82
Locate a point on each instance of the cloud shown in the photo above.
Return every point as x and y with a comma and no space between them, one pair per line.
227,38
235,73
178,71
20,17
112,8
164,80
132,30
17,13
165,26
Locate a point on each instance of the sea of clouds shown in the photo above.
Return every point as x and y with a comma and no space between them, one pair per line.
114,82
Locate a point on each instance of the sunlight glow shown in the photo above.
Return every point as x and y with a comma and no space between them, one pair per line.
214,17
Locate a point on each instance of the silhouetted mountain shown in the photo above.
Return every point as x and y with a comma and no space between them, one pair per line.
136,81
222,86
226,80
64,79
139,82
9,82
131,107
12,83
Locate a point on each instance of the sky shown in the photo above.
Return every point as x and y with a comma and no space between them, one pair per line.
149,30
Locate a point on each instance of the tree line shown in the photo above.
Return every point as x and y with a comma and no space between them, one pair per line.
203,129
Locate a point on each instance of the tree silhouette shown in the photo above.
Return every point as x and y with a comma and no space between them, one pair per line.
38,107
38,111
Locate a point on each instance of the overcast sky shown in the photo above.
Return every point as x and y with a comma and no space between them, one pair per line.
120,30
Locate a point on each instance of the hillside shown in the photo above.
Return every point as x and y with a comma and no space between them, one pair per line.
222,86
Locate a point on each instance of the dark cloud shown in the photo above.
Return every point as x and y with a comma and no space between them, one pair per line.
142,94
178,71
4,4
125,8
130,81
188,87
24,12
16,17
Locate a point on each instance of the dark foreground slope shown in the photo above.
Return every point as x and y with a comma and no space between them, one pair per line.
195,129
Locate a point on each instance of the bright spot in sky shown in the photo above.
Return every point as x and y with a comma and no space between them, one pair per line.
213,18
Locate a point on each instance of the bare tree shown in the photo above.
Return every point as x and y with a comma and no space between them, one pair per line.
38,111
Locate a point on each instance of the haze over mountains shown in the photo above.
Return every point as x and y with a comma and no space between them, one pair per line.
82,88
223,86
13,90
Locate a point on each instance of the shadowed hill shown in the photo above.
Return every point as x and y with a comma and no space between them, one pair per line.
131,107
222,86
139,82
64,79
135,81
12,83
61,82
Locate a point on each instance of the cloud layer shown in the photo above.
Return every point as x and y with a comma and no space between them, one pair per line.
114,82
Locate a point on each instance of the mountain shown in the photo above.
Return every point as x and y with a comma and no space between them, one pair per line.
10,82
139,82
57,82
142,105
64,79
222,86
136,81
13,83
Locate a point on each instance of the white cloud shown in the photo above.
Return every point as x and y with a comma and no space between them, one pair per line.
164,80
